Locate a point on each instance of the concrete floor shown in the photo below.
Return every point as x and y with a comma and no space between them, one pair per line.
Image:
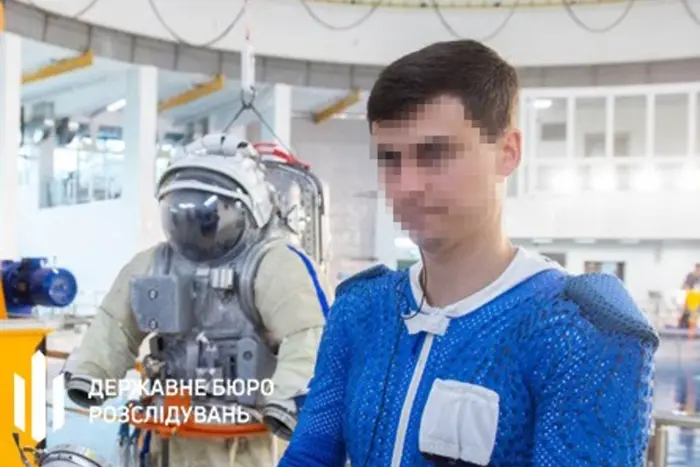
677,387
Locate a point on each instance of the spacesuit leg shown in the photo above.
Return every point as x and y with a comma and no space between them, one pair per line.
197,452
254,452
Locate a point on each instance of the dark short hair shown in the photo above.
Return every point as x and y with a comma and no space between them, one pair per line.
485,83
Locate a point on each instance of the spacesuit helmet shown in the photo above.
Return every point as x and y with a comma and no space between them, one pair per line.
212,197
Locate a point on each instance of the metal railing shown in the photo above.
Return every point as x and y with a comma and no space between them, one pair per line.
657,455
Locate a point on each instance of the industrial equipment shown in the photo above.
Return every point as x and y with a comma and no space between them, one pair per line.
26,284
30,282
64,455
302,198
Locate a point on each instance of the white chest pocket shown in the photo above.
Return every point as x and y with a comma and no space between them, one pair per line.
459,421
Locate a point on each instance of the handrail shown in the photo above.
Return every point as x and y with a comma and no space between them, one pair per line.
676,420
658,452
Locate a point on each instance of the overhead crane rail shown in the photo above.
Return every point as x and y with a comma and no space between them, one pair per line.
60,67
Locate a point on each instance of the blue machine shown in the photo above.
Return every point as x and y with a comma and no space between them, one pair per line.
29,282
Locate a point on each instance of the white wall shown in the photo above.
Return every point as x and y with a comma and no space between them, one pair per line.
625,213
338,151
611,216
91,240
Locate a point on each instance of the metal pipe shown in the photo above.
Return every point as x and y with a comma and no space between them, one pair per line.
660,446
674,419
662,422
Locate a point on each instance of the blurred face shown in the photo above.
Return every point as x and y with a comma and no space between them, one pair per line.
441,176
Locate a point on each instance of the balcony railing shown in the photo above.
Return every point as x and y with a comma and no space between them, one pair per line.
657,455
611,175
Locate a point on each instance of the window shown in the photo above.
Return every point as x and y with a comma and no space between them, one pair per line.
594,145
405,263
556,257
622,145
553,132
616,268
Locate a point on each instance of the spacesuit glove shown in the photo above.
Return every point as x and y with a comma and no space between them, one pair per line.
281,418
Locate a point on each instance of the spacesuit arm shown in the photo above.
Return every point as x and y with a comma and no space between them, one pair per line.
111,343
318,439
292,297
593,384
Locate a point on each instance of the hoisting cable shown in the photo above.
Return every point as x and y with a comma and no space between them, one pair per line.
206,44
690,11
77,15
358,22
249,91
499,29
568,7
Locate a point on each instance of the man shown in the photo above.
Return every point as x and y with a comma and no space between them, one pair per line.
224,296
691,287
692,280
482,353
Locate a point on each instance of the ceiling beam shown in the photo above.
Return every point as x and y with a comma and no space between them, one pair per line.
198,92
339,106
61,67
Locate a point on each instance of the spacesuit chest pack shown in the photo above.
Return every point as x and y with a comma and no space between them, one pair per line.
205,323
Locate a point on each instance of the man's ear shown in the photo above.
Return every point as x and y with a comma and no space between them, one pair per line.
511,152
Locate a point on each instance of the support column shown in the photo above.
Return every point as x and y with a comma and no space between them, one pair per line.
277,112
10,110
140,121
46,151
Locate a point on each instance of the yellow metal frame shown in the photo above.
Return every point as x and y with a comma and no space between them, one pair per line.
467,5
3,308
2,17
337,107
60,67
198,92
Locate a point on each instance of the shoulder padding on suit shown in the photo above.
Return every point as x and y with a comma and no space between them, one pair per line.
605,303
362,276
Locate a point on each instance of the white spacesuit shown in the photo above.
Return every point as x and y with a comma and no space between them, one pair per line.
226,277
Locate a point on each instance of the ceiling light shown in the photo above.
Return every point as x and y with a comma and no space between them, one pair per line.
117,105
565,182
647,180
542,104
603,181
689,179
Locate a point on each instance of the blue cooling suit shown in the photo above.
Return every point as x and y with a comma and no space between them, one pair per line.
568,359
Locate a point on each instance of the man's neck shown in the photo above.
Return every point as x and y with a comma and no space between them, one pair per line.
452,274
